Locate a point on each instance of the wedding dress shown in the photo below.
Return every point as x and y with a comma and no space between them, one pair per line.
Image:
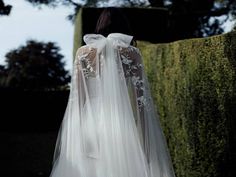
110,127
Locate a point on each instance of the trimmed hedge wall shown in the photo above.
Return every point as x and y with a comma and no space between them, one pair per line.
193,83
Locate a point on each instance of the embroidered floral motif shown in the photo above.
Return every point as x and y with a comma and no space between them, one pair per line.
141,101
86,65
133,69
129,65
137,82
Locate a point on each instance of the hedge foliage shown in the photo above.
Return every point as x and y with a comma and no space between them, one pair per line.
193,83
77,33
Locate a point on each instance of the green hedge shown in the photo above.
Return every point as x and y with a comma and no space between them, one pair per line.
194,88
78,40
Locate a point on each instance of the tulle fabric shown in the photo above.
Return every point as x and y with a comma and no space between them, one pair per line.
110,129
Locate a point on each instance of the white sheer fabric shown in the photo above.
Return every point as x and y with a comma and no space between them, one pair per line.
110,127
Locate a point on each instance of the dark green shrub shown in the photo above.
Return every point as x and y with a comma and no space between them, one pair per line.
193,85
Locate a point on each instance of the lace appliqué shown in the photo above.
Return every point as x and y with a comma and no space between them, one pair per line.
86,65
130,67
138,84
143,99
134,70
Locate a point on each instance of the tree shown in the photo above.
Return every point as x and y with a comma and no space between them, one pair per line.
2,75
4,9
36,66
187,18
81,3
197,18
77,4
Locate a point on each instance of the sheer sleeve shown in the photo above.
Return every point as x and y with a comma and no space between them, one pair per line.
133,70
85,67
147,118
86,60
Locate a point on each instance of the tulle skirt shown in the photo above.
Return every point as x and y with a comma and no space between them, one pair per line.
110,147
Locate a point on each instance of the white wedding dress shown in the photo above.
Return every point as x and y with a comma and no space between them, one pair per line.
110,127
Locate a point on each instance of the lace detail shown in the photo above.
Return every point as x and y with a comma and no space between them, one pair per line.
86,60
132,68
131,61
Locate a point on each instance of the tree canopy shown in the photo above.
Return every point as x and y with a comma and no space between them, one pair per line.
199,18
35,66
4,9
187,18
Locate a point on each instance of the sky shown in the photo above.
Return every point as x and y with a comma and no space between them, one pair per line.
26,22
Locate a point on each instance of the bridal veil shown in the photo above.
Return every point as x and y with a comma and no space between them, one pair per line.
110,127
